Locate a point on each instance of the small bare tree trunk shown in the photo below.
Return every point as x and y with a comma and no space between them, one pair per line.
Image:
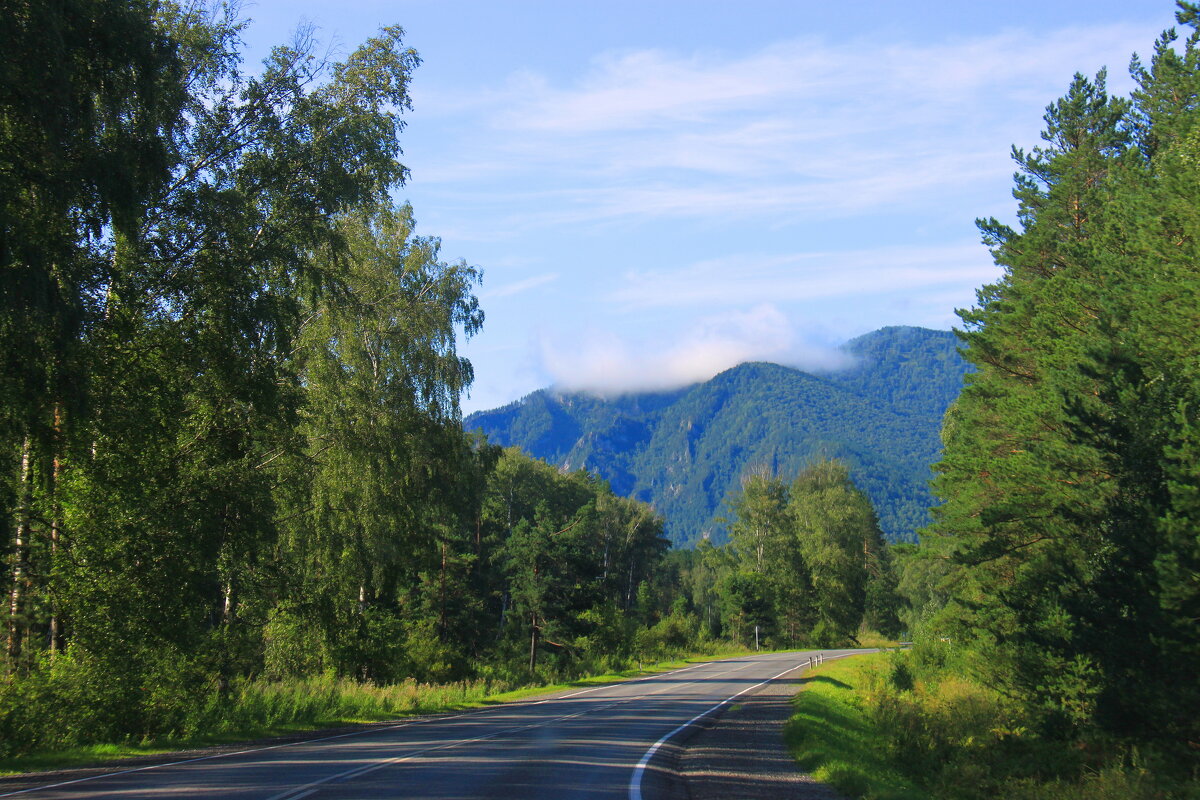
55,633
442,599
629,587
20,542
55,529
503,614
533,637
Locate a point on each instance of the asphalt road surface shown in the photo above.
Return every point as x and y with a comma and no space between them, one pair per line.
613,741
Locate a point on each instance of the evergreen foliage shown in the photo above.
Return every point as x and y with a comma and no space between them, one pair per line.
1068,527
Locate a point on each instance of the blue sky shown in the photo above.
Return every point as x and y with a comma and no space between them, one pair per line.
657,191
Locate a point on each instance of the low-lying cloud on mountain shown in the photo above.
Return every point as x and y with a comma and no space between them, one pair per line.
606,364
686,450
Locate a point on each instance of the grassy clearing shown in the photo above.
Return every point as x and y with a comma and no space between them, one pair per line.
259,710
833,738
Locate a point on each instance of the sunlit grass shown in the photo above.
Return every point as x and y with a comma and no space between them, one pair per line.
883,728
833,740
871,639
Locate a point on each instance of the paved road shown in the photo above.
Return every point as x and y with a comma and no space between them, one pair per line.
604,742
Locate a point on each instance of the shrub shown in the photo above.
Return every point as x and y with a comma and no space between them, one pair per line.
900,675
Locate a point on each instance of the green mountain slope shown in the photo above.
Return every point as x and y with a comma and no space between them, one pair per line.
685,450
910,370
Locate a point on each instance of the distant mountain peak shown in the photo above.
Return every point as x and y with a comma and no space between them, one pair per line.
684,450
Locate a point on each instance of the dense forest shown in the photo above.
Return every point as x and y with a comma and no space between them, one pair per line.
232,456
230,437
230,425
1063,567
686,450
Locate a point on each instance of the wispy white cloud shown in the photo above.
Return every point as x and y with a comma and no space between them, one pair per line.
848,184
860,184
521,286
887,142
606,363
648,88
810,125
848,80
745,279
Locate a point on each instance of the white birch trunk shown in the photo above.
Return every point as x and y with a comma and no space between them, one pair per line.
20,542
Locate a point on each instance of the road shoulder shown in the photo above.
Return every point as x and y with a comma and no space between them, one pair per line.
741,754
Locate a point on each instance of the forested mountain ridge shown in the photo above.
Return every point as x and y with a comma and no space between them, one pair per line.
686,449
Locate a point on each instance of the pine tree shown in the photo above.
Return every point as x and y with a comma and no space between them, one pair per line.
1066,469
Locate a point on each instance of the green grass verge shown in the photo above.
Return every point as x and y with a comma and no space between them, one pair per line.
360,704
592,680
832,739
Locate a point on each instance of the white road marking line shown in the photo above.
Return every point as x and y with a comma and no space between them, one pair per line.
363,770
341,736
366,768
635,782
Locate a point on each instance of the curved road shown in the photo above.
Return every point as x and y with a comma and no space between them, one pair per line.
604,742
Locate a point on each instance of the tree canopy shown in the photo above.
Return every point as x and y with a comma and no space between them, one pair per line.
229,406
1069,471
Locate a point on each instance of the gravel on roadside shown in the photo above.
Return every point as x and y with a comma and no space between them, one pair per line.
740,755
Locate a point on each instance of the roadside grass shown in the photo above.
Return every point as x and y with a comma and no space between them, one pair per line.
833,739
871,639
595,680
77,757
262,710
903,725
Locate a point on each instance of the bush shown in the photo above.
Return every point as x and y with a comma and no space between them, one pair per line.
900,675
293,647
